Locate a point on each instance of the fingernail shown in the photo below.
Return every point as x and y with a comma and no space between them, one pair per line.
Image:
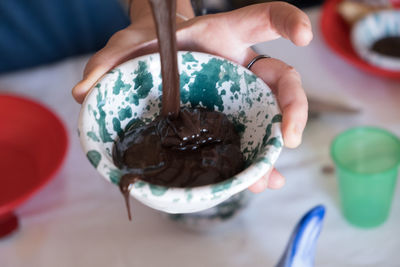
293,137
278,183
265,182
306,34
298,132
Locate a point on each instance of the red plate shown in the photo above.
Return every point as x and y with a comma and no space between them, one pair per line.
33,144
337,35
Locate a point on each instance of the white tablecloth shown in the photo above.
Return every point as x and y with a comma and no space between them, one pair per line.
80,220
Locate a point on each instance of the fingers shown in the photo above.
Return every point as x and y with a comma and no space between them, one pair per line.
122,46
285,82
291,23
269,21
238,30
231,34
272,180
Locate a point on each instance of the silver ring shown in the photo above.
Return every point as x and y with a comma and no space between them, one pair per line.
254,60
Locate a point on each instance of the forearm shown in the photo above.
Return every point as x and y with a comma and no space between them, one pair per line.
140,11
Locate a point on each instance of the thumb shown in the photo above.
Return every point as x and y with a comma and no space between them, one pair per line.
121,46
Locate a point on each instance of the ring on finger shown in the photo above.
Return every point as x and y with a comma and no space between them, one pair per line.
255,59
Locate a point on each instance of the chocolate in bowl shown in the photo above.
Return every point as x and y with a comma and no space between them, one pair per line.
198,148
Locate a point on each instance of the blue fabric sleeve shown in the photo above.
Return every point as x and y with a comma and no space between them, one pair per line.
34,32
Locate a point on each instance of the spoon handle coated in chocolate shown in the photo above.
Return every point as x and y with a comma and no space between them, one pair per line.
164,16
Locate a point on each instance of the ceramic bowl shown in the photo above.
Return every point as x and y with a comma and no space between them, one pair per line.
372,28
130,95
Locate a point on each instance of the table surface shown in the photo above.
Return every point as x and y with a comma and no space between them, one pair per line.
80,220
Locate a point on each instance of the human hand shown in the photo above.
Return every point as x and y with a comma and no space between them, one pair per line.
229,35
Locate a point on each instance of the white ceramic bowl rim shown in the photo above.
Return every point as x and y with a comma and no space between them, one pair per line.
372,28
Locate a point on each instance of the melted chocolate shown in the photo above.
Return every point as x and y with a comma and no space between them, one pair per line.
125,185
198,148
389,46
180,148
164,14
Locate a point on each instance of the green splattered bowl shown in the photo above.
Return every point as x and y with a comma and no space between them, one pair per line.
130,95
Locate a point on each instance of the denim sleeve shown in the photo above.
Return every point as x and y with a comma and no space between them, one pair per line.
34,32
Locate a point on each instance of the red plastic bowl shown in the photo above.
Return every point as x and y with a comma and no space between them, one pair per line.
336,33
33,145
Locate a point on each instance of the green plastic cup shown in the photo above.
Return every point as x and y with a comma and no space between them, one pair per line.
367,161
